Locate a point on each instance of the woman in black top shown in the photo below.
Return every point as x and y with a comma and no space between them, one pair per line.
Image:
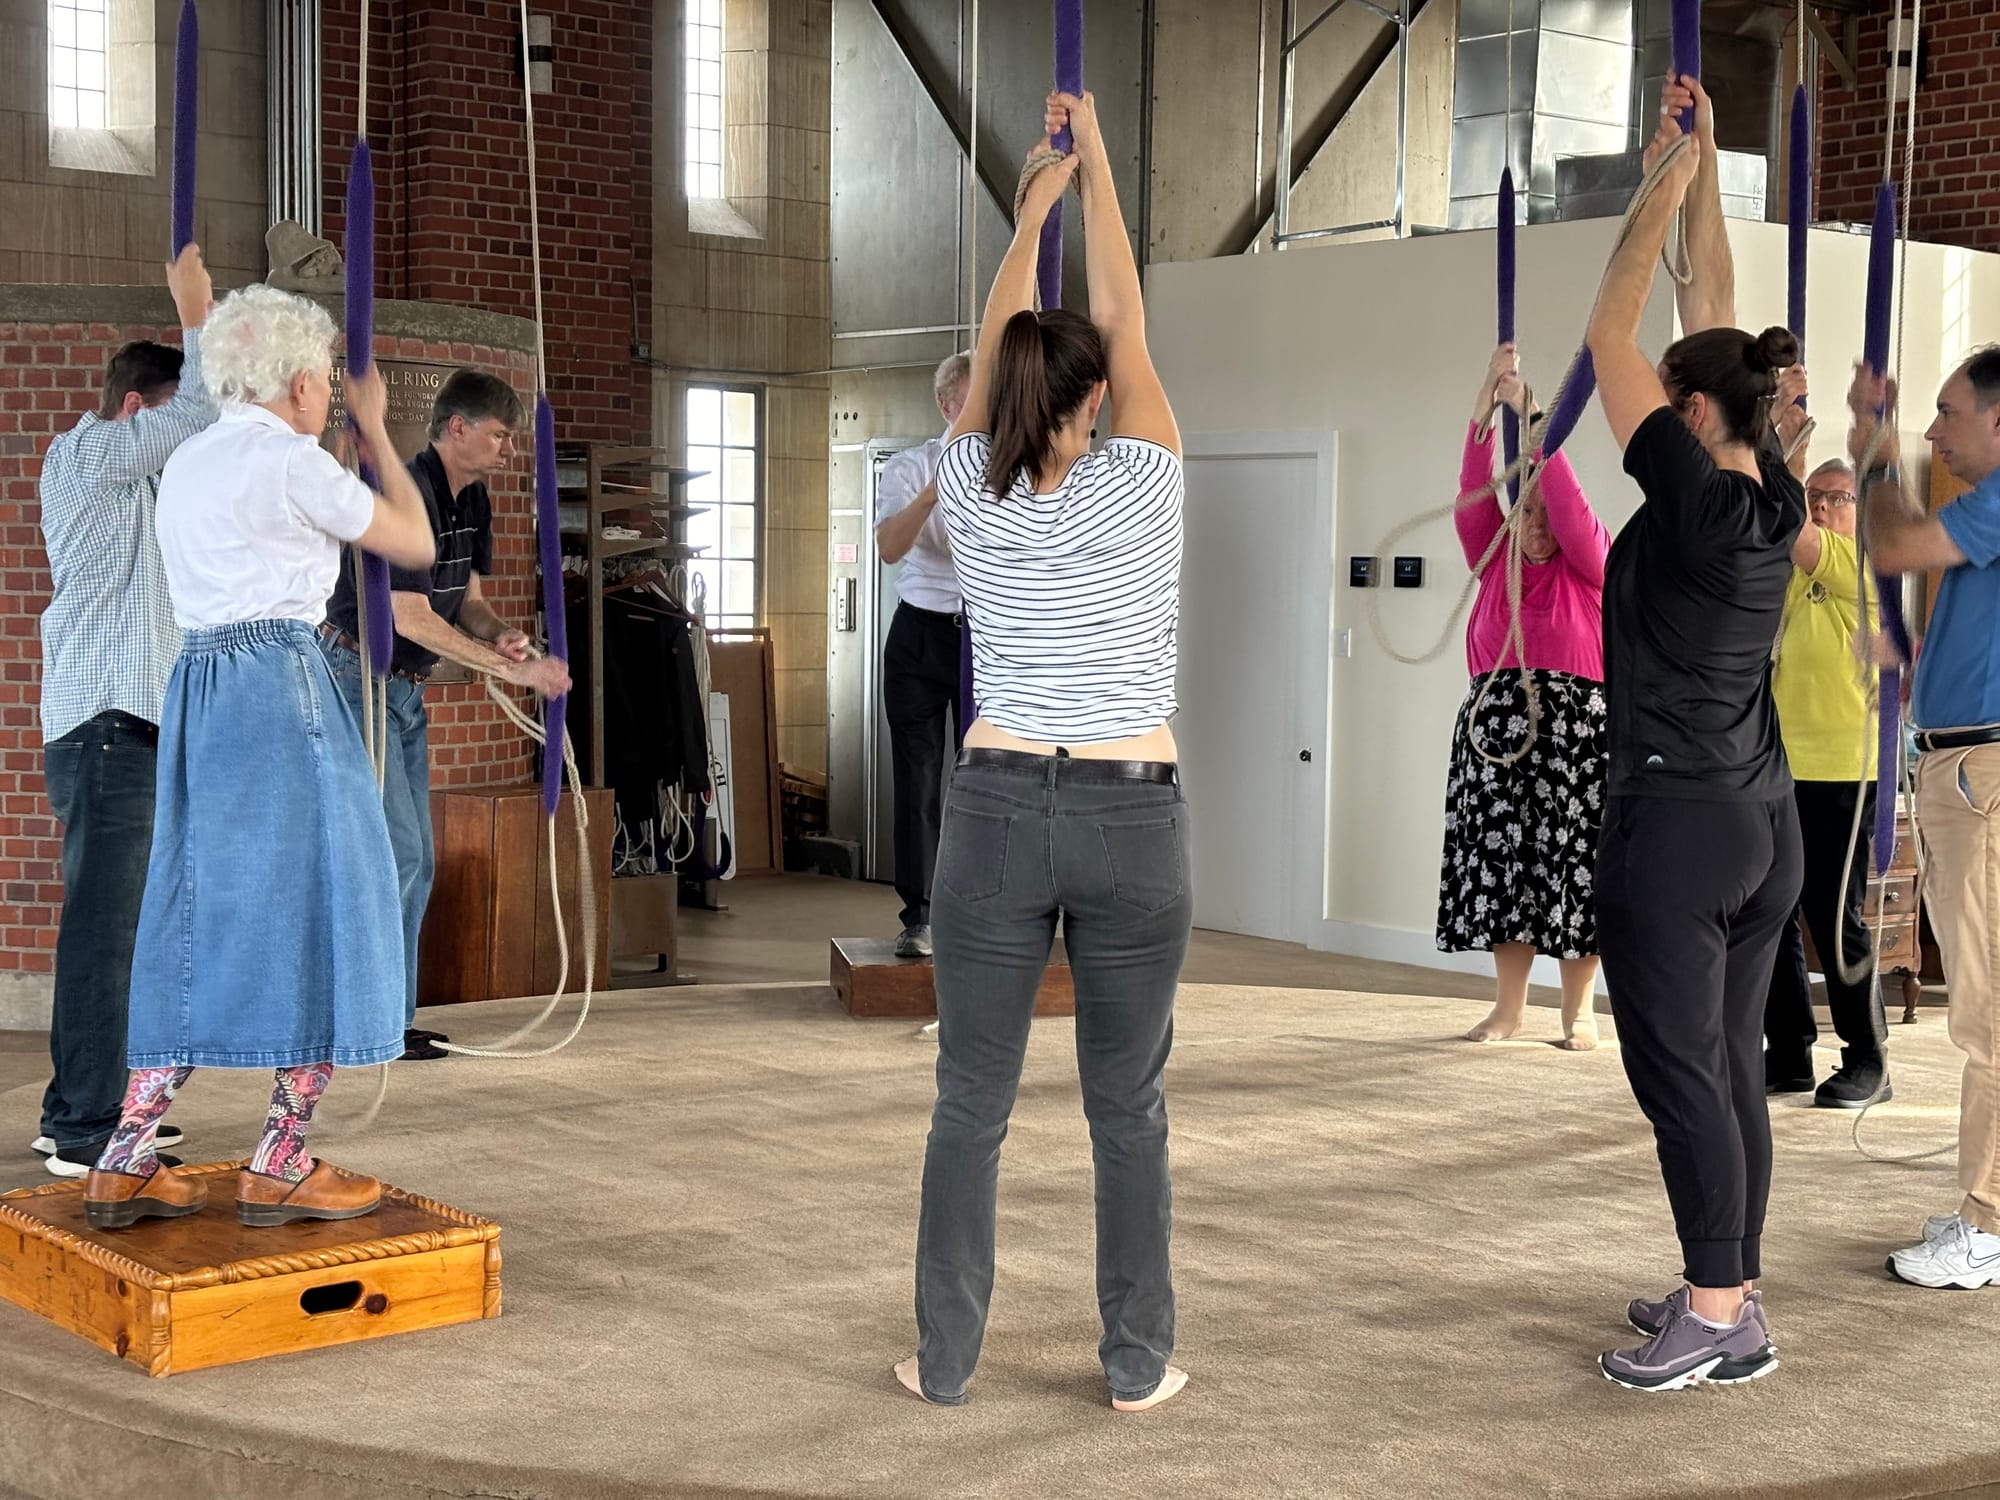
1699,865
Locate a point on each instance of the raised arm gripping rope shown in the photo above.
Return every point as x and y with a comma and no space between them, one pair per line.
1542,442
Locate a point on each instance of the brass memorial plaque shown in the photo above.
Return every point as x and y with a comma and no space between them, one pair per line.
413,387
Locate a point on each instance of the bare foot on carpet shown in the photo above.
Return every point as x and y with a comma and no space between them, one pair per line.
1580,1035
906,1376
1500,1024
1170,1386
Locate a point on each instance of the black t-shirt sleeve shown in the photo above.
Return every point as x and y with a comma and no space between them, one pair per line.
1669,463
417,580
1780,483
482,533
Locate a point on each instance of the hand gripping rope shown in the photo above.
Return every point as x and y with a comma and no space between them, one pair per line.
377,620
1542,442
558,754
1888,250
1048,259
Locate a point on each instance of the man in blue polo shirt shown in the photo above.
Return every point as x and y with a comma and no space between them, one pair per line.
1955,703
441,611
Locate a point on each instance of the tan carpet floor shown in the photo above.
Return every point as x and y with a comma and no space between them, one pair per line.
1397,1255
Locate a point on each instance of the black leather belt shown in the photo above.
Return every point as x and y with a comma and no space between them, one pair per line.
1074,767
932,614
347,642
1957,739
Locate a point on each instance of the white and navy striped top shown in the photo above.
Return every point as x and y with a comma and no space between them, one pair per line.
1074,595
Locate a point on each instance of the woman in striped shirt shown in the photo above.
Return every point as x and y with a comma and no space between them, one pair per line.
1065,805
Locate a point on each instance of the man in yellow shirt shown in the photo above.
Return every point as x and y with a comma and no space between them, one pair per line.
1828,724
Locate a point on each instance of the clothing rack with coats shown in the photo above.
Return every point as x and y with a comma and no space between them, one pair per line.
638,664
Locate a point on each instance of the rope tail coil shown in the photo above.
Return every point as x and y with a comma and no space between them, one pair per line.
552,734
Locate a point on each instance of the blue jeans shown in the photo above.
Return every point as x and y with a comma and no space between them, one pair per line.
406,799
268,936
100,784
1027,844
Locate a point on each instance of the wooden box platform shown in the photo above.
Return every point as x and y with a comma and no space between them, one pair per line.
171,1295
871,981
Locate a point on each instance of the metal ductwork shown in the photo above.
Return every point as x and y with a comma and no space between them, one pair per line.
1586,77
1570,93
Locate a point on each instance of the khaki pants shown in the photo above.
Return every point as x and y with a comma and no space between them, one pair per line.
1958,810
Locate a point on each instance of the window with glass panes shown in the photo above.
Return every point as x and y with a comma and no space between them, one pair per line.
704,98
725,443
77,63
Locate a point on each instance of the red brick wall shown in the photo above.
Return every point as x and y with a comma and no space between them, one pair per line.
1956,195
49,375
447,135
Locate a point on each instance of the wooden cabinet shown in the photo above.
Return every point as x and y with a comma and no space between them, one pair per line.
490,931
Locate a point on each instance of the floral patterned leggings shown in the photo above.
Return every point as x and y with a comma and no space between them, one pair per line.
281,1152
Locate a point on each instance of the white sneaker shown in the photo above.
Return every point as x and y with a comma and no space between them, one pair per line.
1961,1256
1936,1225
166,1138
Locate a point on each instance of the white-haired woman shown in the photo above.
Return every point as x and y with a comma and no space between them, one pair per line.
269,936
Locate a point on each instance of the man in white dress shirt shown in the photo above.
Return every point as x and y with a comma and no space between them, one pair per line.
920,663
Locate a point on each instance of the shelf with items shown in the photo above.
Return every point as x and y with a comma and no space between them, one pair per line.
620,487
605,478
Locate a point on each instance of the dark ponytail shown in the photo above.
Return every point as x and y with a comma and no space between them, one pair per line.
1737,372
1047,365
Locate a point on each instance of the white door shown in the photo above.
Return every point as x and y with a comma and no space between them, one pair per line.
1256,595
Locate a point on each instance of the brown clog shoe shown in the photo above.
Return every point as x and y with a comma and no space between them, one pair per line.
328,1192
117,1200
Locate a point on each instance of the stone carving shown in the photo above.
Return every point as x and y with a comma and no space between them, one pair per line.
302,262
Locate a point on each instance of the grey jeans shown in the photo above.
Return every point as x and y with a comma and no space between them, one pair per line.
1028,840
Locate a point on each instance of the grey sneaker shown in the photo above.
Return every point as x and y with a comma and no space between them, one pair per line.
915,942
1649,1317
1688,1352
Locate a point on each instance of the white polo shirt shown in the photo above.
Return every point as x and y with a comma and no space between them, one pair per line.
251,518
925,578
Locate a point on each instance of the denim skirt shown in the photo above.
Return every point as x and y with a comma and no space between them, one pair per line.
270,935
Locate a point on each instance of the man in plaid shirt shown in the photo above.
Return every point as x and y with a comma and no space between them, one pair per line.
108,643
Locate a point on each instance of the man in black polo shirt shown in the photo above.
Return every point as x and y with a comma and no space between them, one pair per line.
440,612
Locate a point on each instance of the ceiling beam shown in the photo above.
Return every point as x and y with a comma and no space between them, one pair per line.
947,106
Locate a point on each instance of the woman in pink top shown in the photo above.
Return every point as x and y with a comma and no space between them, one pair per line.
1520,840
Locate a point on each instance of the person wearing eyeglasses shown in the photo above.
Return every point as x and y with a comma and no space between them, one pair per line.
1826,720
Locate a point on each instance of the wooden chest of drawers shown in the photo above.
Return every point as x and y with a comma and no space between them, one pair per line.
1895,896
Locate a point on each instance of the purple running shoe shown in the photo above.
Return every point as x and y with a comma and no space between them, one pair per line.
1648,1317
1688,1352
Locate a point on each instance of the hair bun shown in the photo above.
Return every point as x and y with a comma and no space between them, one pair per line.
1775,349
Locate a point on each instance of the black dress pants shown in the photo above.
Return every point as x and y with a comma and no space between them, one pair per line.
920,696
1826,822
1691,897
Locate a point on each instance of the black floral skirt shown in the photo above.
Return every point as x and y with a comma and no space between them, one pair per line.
1520,841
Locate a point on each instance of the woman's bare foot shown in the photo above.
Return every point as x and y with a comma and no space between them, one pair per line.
1580,1035
1170,1386
906,1376
1501,1023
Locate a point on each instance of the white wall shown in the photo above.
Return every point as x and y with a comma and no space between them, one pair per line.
1386,344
